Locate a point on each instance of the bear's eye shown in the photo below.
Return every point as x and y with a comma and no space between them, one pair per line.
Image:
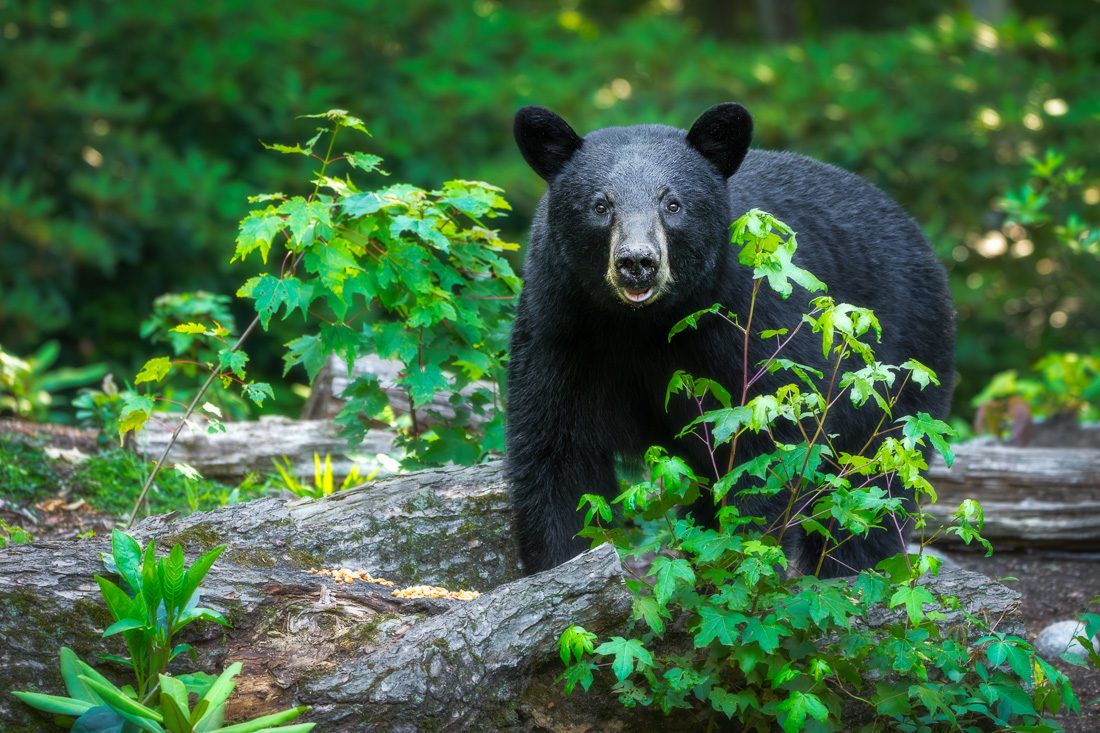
672,207
601,208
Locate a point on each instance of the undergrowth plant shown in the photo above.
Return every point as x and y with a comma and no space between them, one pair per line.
28,386
154,600
402,272
1062,384
324,481
722,620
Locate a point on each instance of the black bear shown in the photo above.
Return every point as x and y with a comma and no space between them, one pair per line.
631,236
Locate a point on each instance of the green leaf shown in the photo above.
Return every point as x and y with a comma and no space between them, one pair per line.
233,361
71,669
173,704
717,624
125,624
692,320
54,704
118,602
126,553
256,725
580,673
223,686
272,293
628,653
915,427
307,351
921,374
103,719
116,699
913,597
365,162
154,370
194,575
258,392
764,634
794,710
730,703
574,643
172,579
192,328
670,573
423,384
646,608
257,231
301,215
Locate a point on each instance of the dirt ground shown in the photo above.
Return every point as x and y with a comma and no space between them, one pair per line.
1055,586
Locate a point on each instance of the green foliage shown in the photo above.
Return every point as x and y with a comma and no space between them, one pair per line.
153,601
26,473
10,535
323,481
1056,194
123,174
725,623
1060,384
402,272
1049,209
110,481
27,385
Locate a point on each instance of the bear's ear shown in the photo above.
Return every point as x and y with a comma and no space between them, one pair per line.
722,135
546,140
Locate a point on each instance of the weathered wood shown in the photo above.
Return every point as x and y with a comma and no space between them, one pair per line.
1030,496
253,446
448,526
363,659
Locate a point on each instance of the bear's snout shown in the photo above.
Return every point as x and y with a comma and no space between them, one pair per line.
637,265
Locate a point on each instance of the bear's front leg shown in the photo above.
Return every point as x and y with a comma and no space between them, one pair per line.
556,453
548,479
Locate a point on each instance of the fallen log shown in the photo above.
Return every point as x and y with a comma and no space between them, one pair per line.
254,446
362,658
1030,496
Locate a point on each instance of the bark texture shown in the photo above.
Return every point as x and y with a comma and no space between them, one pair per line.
1031,496
253,446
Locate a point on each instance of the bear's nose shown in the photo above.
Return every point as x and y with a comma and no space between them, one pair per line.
636,264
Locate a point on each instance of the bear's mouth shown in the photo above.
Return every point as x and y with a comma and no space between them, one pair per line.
638,295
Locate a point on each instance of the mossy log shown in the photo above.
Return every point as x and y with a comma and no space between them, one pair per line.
1032,496
364,659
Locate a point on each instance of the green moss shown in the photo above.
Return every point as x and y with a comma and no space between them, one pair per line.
200,537
111,481
26,473
250,557
305,559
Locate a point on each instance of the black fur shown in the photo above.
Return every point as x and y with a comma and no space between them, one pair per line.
588,370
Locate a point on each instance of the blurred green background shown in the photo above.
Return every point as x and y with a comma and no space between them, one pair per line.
130,132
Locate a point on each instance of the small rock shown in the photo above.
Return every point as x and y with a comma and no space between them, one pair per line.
1060,637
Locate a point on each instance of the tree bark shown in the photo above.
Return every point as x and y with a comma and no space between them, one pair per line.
1032,496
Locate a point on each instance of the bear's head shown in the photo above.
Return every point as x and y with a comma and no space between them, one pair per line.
637,215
